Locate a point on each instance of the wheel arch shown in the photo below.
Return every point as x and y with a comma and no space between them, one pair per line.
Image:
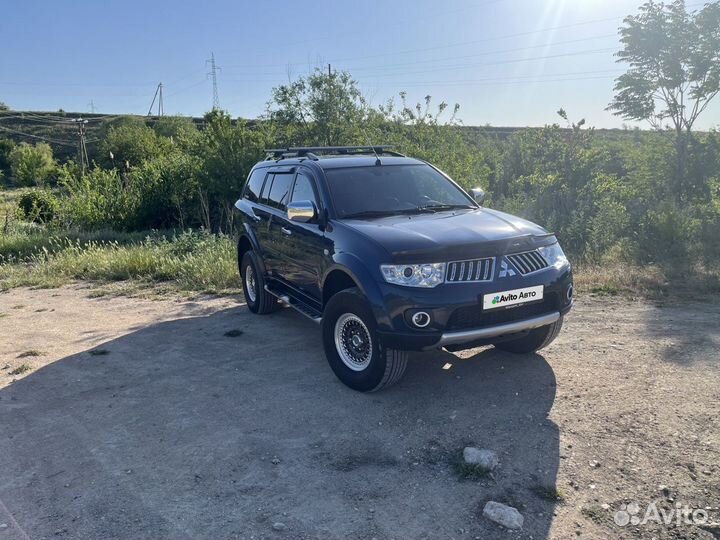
349,271
337,279
244,245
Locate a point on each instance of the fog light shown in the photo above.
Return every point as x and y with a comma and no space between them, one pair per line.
421,319
570,292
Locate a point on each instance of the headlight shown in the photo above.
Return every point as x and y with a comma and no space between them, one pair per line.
414,275
554,255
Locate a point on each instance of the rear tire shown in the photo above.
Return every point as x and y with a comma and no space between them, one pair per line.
534,340
351,344
257,298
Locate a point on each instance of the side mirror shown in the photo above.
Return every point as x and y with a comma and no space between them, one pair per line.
478,194
302,211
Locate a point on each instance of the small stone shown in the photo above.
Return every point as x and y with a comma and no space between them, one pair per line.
594,464
504,515
487,459
3,526
275,461
279,526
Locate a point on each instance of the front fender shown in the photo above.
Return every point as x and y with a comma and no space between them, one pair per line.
366,282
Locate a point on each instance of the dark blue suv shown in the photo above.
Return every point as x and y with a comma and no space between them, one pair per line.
389,255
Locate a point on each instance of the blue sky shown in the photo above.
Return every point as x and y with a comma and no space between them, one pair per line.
507,62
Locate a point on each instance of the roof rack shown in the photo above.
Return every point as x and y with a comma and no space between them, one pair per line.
312,151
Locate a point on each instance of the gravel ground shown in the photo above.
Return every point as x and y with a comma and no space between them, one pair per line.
143,419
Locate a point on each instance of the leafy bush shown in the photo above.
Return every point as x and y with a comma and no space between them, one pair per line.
32,165
129,142
39,206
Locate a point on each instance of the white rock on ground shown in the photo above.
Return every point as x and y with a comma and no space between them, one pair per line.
504,515
487,459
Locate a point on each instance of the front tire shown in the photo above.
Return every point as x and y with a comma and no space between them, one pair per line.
352,348
257,298
534,340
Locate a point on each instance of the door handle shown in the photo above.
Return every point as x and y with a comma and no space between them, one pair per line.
286,231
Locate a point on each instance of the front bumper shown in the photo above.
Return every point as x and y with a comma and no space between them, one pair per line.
497,330
458,319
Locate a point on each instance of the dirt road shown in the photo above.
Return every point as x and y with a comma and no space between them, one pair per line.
154,419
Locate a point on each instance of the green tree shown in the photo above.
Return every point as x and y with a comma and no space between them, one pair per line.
674,70
4,107
175,127
6,146
32,165
228,151
128,142
320,109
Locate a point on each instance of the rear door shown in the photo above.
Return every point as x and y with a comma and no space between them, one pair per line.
273,206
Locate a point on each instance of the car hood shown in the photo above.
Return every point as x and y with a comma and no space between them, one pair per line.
455,235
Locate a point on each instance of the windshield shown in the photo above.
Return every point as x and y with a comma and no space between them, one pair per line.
392,189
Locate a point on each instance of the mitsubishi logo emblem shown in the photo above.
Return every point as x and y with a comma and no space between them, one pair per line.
505,269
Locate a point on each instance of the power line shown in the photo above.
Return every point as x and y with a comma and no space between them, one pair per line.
82,147
484,53
499,62
159,97
46,139
461,43
213,74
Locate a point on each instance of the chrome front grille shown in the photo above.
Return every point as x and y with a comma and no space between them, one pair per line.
527,262
471,270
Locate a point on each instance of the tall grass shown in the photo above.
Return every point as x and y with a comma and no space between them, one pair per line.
188,261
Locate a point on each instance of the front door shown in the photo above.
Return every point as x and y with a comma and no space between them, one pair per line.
303,245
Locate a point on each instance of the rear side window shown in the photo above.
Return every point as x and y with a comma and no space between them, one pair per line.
254,185
278,196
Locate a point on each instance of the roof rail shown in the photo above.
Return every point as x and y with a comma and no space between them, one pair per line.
312,151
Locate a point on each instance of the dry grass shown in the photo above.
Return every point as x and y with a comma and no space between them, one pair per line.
652,282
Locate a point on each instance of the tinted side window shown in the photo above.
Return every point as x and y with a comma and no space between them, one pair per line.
278,196
303,190
254,185
266,188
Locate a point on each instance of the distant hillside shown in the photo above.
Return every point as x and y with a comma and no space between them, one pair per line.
60,131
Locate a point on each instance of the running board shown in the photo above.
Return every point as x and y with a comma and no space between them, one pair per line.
309,311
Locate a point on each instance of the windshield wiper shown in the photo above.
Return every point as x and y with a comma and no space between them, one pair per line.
370,213
432,207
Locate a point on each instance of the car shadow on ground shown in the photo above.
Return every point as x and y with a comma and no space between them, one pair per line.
232,426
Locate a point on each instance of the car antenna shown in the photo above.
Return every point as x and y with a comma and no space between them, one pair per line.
377,157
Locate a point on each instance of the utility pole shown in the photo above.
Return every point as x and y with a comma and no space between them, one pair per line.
92,106
82,148
159,97
213,75
329,72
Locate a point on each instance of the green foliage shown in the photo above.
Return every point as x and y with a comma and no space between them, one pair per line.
129,142
191,261
673,75
318,110
674,60
4,107
175,127
228,151
38,206
6,147
32,165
